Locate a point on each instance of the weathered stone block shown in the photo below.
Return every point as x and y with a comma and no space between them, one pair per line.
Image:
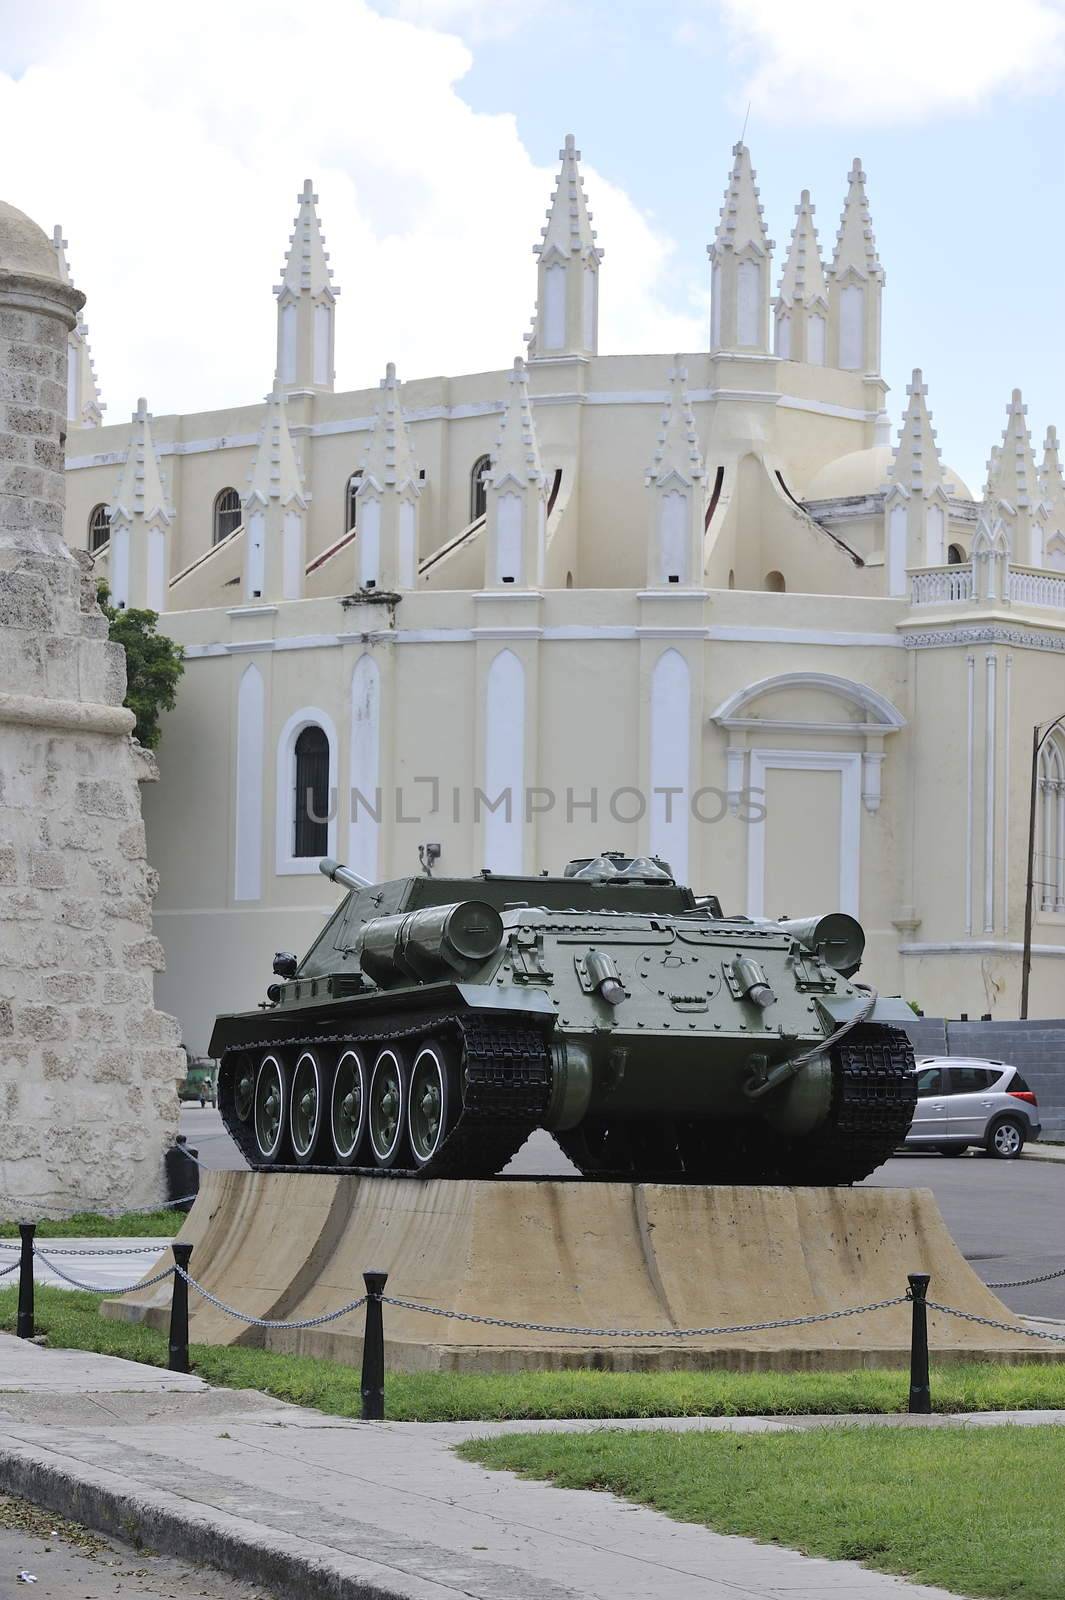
146,953
65,988
47,870
8,866
103,798
41,1022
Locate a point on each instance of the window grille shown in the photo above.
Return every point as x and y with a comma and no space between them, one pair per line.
227,515
99,528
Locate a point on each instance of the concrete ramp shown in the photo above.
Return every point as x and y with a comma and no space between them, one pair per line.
592,1255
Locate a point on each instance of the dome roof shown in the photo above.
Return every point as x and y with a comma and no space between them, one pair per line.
24,247
866,471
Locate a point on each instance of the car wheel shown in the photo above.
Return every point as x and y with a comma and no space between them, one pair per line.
1005,1140
952,1149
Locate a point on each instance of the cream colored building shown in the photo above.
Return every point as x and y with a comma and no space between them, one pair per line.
710,605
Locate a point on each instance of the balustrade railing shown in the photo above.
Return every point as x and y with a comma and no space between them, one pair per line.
938,584
1030,586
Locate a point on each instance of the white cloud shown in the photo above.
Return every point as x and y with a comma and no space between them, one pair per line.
173,157
847,60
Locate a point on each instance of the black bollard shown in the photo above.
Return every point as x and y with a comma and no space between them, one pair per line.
182,1174
373,1349
920,1389
179,1312
24,1326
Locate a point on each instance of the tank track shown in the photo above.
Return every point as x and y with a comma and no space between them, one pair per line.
507,1078
872,1107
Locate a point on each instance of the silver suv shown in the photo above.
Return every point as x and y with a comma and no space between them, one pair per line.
962,1101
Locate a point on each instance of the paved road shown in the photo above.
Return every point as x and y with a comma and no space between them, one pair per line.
1005,1215
71,1563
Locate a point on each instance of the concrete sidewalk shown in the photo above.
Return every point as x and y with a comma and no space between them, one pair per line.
308,1505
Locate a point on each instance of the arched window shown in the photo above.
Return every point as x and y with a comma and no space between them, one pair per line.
227,515
351,504
99,528
955,556
479,487
311,810
774,582
1050,851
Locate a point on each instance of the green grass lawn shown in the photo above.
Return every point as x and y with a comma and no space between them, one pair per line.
71,1319
978,1512
92,1225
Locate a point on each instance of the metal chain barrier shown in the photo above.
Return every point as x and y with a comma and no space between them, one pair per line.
1024,1283
266,1322
646,1333
79,1211
95,1288
141,1250
12,1268
990,1322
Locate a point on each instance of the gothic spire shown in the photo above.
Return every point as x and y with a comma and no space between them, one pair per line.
802,302
916,463
389,460
138,563
676,478
566,321
677,451
855,285
306,267
740,263
516,512
1013,488
517,450
855,242
140,491
306,305
275,473
85,409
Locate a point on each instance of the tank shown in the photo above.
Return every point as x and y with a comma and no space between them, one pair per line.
436,1022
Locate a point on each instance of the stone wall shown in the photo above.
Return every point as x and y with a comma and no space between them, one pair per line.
87,1065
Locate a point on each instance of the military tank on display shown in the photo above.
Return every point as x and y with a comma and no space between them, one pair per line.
435,1022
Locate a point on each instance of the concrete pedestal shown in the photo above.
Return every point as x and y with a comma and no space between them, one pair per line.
588,1255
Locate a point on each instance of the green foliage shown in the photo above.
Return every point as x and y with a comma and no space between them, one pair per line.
93,1225
154,665
976,1511
71,1319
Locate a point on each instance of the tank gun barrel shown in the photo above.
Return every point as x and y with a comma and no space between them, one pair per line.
341,874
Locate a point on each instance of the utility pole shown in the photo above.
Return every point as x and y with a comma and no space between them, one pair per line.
1040,734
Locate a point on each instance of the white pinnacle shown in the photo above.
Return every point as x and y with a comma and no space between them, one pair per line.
1012,472
307,263
569,222
84,401
677,450
916,463
140,491
275,473
855,242
803,278
741,221
389,461
517,453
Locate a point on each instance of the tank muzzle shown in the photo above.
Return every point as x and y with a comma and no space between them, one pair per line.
432,943
837,938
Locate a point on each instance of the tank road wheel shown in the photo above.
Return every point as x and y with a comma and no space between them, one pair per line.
347,1108
387,1107
271,1094
244,1089
432,1101
305,1108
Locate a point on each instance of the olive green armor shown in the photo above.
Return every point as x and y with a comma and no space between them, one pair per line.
436,1022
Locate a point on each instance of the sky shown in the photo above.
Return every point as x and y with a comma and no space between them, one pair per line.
172,157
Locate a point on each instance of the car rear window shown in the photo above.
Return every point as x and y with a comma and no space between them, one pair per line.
1019,1081
971,1080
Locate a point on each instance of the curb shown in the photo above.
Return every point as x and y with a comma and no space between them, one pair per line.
163,1522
